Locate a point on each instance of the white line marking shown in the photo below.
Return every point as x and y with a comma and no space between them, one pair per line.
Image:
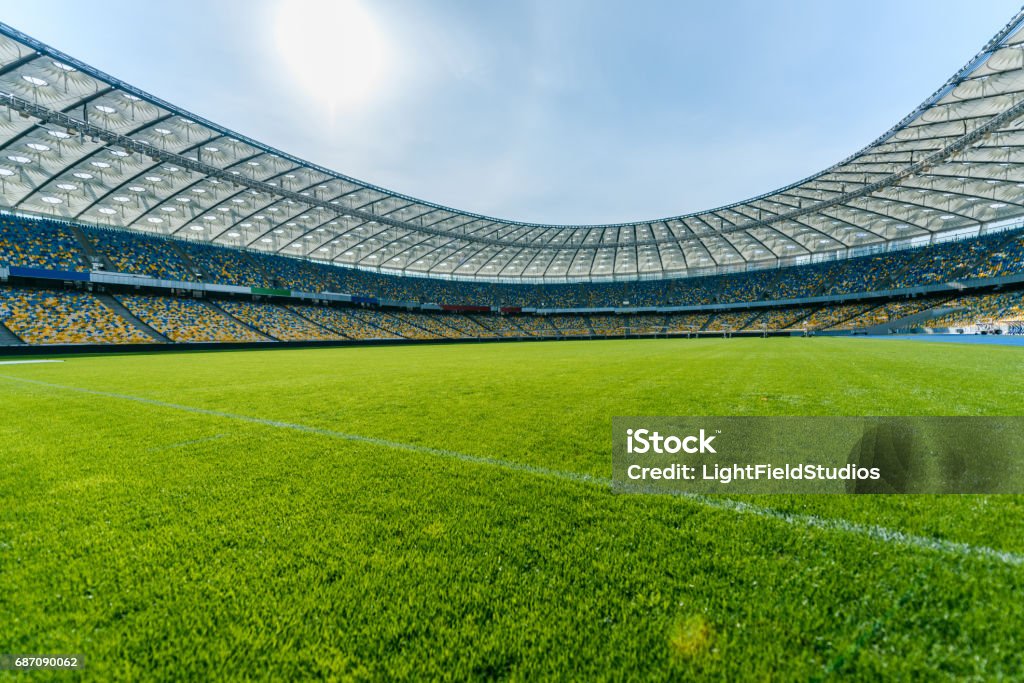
27,362
876,533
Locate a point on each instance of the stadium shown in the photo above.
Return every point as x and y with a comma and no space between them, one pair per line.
264,420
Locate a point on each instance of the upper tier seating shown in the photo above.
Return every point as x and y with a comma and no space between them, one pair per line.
51,244
225,266
39,244
141,255
865,273
300,275
1005,259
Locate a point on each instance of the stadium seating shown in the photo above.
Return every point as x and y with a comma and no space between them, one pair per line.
864,274
467,327
972,310
934,264
570,325
225,266
1015,311
304,276
42,243
641,324
889,312
39,244
534,326
676,323
497,325
183,319
779,318
277,322
49,244
805,281
44,316
1006,258
831,316
141,255
751,286
343,321
731,321
606,325
435,324
393,325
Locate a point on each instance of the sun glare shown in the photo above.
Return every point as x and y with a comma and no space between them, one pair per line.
334,50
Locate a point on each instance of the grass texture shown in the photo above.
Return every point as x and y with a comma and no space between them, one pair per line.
209,516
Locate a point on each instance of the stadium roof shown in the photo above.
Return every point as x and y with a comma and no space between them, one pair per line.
78,144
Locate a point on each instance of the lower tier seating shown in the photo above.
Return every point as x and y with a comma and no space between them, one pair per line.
889,312
571,325
831,317
731,321
52,316
973,310
497,326
610,324
343,321
677,323
42,316
468,327
394,325
534,326
435,324
187,320
277,322
779,319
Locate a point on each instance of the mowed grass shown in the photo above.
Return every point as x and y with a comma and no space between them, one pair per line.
173,544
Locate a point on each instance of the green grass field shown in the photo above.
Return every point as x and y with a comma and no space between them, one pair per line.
204,516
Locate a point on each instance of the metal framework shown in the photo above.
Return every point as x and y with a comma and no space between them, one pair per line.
78,144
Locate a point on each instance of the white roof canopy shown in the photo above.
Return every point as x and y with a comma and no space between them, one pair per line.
80,145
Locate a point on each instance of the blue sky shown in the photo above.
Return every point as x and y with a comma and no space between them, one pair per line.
563,111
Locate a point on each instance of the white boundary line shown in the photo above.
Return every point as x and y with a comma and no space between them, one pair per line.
876,533
27,362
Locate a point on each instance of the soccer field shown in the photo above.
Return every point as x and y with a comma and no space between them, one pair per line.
445,512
